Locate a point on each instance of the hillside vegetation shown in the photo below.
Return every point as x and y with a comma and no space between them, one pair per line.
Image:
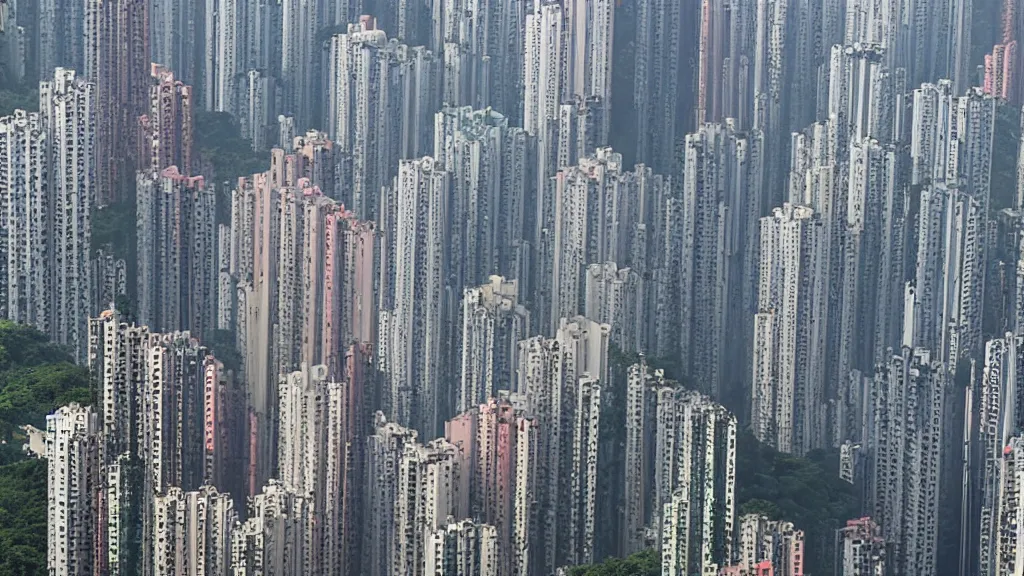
35,378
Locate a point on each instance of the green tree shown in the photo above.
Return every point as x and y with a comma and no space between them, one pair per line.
36,377
644,563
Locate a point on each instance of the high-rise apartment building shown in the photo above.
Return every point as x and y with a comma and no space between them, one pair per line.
69,113
415,324
384,450
545,86
695,482
762,540
27,279
492,171
174,41
177,246
167,131
428,480
300,268
1000,419
787,395
48,195
905,452
258,118
223,41
111,278
463,548
616,296
1009,557
562,379
310,455
172,403
382,99
498,445
118,61
193,531
300,60
643,487
482,52
661,80
718,243
74,477
860,549
949,277
872,282
61,40
493,323
276,538
590,212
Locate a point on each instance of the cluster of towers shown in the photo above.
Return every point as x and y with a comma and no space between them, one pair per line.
471,208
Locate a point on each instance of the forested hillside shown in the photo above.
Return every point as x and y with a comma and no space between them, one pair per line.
35,378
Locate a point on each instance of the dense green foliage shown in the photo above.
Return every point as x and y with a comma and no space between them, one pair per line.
804,491
35,378
23,95
645,563
225,156
1005,146
224,151
23,518
222,345
18,99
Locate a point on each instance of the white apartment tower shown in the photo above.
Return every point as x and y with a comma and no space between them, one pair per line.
656,84
173,36
67,110
193,532
311,454
177,246
493,323
117,361
777,541
905,452
276,538
300,59
223,58
718,245
258,116
26,270
462,548
788,396
384,450
695,483
414,325
645,485
1009,557
483,51
1001,418
615,296
590,212
872,287
171,402
545,86
562,378
590,29
428,481
949,277
382,99
491,165
74,477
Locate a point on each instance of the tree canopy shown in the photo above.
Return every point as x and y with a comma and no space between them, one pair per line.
644,563
36,377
